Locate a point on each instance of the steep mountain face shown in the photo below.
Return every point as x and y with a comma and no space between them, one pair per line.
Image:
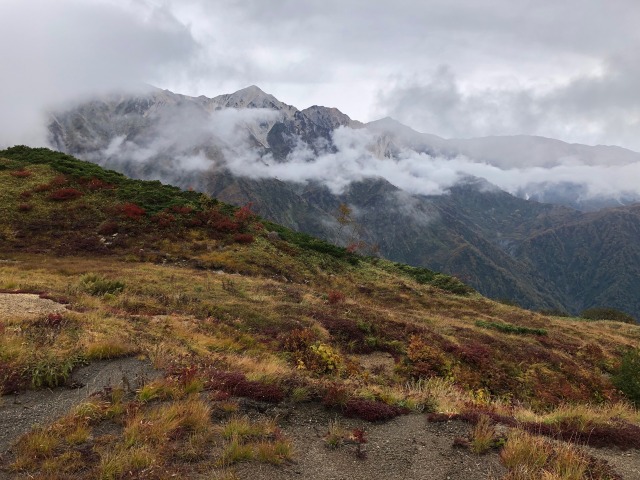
539,255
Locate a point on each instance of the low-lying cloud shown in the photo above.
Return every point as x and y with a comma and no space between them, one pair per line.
67,50
422,174
231,139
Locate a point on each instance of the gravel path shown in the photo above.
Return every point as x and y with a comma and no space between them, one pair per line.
407,448
626,463
19,413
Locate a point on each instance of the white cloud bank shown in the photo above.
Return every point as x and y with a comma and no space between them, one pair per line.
355,157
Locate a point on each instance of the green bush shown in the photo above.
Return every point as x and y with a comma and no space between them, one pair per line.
451,284
602,313
52,373
510,328
627,378
97,285
419,274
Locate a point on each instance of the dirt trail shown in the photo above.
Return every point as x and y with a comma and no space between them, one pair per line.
20,412
407,448
626,463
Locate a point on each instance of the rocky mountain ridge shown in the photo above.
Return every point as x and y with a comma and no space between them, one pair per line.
499,243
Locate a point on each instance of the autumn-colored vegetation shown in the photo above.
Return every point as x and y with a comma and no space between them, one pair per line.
227,311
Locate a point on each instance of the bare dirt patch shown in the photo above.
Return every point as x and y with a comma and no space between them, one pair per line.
376,362
27,305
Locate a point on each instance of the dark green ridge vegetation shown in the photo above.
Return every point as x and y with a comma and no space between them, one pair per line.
230,306
153,196
601,313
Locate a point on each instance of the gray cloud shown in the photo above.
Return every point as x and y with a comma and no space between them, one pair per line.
602,108
54,52
547,68
561,69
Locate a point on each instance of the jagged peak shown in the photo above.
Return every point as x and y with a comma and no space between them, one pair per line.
330,117
253,97
253,89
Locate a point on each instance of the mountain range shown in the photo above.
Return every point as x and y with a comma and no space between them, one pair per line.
401,190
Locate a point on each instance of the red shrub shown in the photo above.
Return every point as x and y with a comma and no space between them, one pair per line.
65,194
97,184
474,354
335,297
359,435
347,332
244,215
25,207
235,383
21,173
260,391
131,210
54,320
354,247
335,396
217,222
26,194
108,228
298,340
58,181
243,238
164,220
372,411
622,435
225,225
43,187
195,222
11,379
182,209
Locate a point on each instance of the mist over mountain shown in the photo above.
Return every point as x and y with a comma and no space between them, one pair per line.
460,206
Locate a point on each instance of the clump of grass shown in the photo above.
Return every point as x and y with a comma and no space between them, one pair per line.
34,447
275,452
334,438
510,328
236,451
63,465
107,350
300,395
247,440
525,450
158,424
123,461
98,285
530,457
51,372
244,429
79,435
482,436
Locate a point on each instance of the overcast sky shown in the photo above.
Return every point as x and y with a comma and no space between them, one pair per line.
457,68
